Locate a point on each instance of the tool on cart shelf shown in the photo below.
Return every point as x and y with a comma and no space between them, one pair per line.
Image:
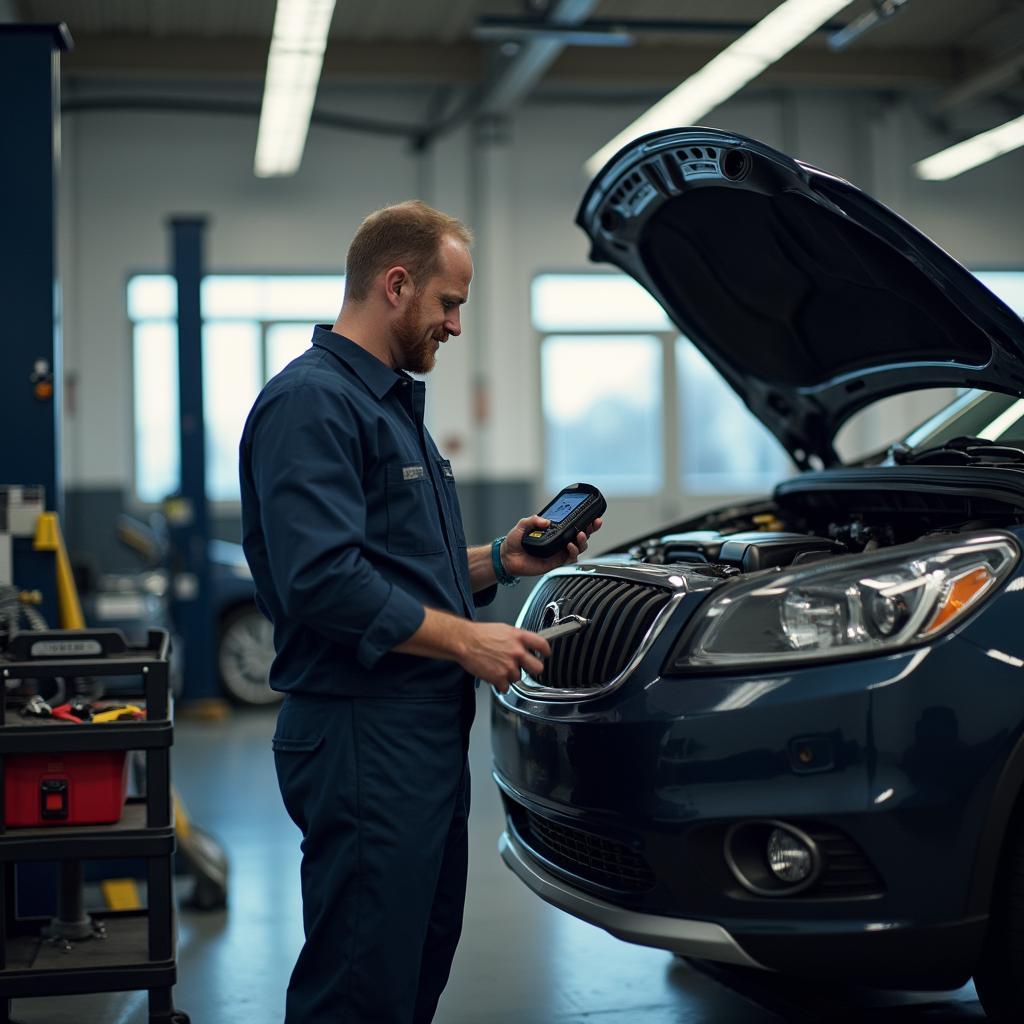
87,788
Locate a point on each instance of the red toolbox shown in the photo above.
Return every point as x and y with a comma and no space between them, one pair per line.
86,788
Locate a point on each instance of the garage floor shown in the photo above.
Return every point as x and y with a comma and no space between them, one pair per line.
520,962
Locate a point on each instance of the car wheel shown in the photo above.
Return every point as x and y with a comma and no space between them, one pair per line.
244,654
999,976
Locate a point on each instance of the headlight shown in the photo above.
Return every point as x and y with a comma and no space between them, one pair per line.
864,604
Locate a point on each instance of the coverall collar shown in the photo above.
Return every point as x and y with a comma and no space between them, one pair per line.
377,376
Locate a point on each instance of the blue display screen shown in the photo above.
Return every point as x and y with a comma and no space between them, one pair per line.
563,505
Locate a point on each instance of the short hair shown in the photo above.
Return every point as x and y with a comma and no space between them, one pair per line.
407,234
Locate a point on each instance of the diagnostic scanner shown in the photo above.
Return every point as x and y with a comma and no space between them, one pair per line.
573,509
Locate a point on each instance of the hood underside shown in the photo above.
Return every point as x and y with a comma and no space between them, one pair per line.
812,299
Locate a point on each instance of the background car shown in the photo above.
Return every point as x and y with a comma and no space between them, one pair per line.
245,637
791,735
138,601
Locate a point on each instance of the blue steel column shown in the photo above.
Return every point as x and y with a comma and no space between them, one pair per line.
30,340
190,525
29,294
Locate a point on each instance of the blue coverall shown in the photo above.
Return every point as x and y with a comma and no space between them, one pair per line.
351,525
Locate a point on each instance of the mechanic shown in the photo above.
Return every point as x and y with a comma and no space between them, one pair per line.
352,529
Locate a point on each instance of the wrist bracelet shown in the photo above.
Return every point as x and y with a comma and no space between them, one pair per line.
505,578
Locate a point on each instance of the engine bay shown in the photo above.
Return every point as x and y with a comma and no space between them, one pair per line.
808,520
743,551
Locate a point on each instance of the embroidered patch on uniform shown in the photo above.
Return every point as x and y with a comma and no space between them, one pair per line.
446,469
413,473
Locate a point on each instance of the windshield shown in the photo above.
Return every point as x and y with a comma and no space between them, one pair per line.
982,414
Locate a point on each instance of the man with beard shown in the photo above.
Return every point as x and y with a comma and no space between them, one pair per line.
352,529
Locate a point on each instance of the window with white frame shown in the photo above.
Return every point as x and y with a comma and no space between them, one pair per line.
253,325
616,377
602,402
725,449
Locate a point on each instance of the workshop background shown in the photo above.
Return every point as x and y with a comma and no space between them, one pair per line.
468,108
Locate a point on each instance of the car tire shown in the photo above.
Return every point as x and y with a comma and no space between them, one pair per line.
245,649
999,976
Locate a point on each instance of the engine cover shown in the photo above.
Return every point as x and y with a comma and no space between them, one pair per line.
747,552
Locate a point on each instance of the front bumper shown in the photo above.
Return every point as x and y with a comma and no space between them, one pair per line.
663,768
702,939
898,954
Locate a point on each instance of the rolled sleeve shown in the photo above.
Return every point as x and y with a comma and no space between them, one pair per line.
400,617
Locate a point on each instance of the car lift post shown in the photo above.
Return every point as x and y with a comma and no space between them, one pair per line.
188,517
30,347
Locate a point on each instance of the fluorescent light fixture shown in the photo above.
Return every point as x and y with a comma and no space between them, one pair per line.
972,152
723,76
293,73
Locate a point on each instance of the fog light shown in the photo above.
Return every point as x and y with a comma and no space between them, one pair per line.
789,857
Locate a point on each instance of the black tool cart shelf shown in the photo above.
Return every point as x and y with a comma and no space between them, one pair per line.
131,950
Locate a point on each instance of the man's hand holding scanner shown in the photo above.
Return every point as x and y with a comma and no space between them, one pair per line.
519,562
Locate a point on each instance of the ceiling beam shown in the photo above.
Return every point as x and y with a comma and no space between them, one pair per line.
245,59
885,70
204,59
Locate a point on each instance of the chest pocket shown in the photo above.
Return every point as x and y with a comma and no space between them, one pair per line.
413,527
451,498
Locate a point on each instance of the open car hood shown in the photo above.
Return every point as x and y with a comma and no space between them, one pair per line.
811,298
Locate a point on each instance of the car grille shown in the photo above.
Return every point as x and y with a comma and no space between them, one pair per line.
621,612
593,858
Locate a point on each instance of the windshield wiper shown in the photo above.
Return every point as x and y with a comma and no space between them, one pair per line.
959,451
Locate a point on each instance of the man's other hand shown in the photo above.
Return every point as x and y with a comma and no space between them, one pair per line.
519,563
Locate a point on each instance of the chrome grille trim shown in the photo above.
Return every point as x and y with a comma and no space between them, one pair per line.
631,591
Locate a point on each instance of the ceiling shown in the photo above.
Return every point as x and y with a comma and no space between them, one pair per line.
922,24
943,45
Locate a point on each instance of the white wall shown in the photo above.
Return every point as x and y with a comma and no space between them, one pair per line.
125,173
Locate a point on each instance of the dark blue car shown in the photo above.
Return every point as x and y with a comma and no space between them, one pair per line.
790,737
137,602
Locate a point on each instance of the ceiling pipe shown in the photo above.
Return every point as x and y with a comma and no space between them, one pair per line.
883,10
607,31
513,76
197,105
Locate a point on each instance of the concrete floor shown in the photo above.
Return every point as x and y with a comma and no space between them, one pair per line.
520,961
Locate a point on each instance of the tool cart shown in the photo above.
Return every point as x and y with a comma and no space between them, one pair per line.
58,779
